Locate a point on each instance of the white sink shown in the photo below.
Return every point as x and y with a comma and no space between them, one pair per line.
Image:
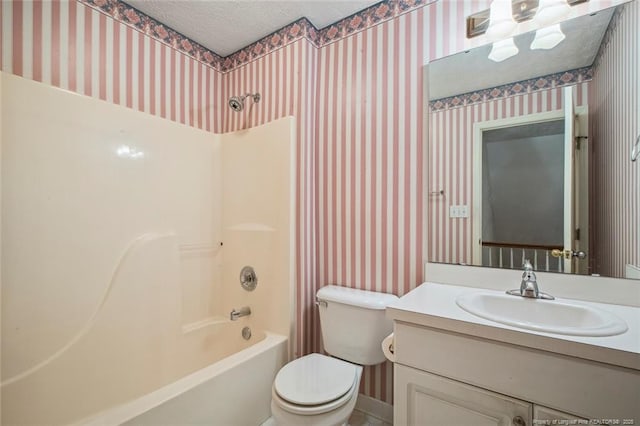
551,316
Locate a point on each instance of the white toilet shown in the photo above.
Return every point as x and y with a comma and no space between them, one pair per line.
321,390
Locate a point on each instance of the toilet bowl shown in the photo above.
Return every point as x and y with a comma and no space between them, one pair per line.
321,390
315,390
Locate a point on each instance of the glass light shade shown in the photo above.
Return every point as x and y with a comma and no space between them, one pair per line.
551,11
548,38
501,22
503,49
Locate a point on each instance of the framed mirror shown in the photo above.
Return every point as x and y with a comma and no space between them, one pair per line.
530,157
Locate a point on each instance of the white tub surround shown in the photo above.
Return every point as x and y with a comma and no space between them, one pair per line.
451,364
123,236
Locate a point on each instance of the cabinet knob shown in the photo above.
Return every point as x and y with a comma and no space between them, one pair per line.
518,421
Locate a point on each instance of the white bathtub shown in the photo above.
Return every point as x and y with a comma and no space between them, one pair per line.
233,391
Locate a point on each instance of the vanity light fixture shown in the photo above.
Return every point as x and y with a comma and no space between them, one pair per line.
503,49
521,11
548,37
501,22
551,11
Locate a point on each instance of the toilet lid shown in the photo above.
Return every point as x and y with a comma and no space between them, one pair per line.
314,379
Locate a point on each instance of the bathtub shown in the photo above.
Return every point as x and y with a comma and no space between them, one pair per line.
233,391
136,360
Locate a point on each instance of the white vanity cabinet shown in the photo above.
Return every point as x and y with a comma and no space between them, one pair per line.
448,378
426,399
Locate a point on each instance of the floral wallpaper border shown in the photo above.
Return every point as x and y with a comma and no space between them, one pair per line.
302,28
131,16
550,81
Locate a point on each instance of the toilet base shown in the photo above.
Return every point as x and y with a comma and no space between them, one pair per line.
336,417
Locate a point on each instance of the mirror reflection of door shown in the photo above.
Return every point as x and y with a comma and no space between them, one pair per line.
531,169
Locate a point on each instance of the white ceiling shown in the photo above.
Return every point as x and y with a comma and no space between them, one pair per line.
225,26
473,70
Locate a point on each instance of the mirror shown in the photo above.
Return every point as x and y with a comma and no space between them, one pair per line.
530,158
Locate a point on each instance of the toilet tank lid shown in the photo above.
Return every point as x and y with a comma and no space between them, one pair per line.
351,296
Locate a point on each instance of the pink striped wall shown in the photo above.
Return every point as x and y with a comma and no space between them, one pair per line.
451,165
370,166
69,45
615,125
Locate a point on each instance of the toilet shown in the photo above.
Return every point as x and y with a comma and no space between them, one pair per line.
322,390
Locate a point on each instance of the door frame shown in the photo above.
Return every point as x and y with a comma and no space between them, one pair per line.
478,128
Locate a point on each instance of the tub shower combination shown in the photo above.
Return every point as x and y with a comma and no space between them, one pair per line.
123,241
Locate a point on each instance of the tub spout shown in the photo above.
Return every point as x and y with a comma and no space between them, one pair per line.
242,312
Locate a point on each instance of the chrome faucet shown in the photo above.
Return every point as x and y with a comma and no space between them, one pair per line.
243,312
529,285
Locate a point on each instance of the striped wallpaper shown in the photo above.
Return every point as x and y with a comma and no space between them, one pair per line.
451,161
74,47
361,158
615,125
370,166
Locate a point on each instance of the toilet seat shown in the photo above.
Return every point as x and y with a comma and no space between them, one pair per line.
314,384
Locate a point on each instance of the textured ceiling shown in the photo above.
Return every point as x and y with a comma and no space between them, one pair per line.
225,26
474,70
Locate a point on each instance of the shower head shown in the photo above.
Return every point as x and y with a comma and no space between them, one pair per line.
236,103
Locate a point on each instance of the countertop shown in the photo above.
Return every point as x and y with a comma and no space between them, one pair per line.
434,305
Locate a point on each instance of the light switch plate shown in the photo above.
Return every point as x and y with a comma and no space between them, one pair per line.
458,211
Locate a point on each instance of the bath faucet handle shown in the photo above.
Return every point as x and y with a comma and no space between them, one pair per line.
242,312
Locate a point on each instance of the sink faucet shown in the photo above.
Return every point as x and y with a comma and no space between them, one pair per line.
529,285
243,312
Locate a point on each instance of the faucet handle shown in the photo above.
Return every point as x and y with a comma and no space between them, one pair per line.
528,276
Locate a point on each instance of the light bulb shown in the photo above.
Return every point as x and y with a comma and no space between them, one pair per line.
551,11
501,22
503,49
548,38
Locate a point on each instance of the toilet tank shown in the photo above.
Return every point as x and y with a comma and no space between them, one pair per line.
353,323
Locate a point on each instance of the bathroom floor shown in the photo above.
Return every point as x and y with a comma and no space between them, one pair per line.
358,418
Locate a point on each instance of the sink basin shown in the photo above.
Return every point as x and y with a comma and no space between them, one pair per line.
550,316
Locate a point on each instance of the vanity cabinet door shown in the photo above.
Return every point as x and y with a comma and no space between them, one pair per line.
543,415
426,399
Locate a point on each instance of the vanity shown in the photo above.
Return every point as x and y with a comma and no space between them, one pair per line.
455,367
